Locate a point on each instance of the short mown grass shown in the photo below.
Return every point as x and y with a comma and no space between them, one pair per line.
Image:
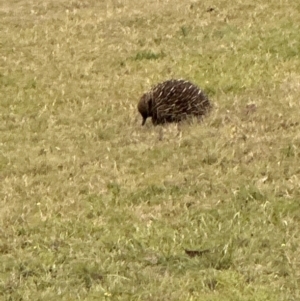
96,207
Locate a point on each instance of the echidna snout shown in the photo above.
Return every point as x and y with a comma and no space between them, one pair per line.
144,107
172,101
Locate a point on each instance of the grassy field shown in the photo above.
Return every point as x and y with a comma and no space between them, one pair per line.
96,207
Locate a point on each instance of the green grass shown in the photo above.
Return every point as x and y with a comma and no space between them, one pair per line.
96,207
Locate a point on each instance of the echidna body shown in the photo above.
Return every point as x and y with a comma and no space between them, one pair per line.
172,101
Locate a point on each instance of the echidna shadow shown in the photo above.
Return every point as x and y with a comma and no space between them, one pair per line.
173,101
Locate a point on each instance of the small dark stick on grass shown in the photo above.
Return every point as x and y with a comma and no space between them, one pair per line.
172,101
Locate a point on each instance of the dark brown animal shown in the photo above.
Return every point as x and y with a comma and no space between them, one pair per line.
172,101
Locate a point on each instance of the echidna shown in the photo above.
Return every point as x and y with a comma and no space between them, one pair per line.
172,101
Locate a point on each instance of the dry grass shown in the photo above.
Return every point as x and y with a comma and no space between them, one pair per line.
96,207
